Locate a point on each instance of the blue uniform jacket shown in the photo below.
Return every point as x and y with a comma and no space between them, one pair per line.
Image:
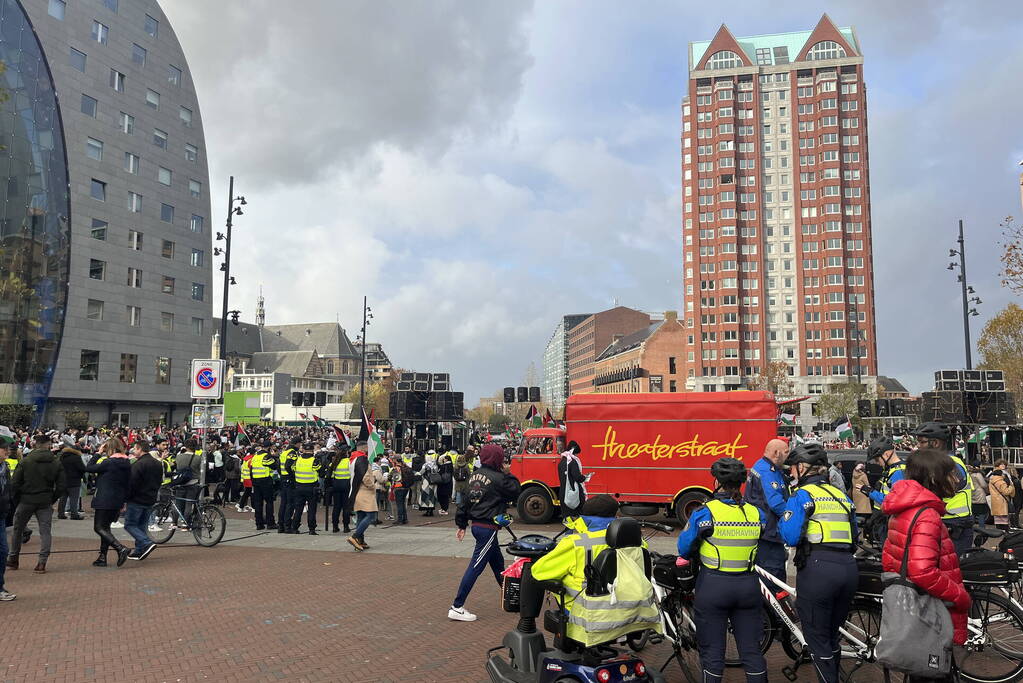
897,475
767,488
701,523
799,508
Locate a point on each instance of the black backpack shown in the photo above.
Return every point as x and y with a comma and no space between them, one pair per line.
462,473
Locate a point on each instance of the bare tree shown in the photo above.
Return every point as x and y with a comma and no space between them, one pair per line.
774,378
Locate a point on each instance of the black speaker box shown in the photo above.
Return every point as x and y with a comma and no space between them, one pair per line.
296,398
308,398
407,377
441,386
973,385
898,407
403,385
996,438
509,394
396,405
522,394
950,385
420,431
534,394
863,408
321,398
994,375
423,377
883,407
441,377
1014,438
973,375
421,386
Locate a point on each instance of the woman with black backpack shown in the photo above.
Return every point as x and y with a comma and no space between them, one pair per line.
446,470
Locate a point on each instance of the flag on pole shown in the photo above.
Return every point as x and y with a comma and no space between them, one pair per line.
241,433
533,417
302,415
843,428
342,436
979,436
548,419
319,421
797,439
374,444
787,419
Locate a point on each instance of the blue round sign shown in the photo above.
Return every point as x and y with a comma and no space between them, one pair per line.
205,378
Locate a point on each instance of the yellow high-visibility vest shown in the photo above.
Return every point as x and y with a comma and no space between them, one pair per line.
829,522
733,544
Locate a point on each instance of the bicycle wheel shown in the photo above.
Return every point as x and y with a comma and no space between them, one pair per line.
208,525
864,625
732,650
161,523
993,652
684,648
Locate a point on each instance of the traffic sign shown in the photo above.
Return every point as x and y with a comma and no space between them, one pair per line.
208,416
207,378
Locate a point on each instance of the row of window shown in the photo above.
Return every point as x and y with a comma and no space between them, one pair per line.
168,248
96,310
98,191
100,32
94,149
88,367
126,124
98,271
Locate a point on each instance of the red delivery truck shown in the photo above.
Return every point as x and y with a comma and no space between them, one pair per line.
652,452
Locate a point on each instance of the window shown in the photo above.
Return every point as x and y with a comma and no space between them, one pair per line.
97,269
77,59
164,175
134,278
131,163
127,124
167,249
198,291
94,310
89,105
781,56
185,114
134,202
100,32
56,9
724,59
166,213
152,98
88,365
173,75
134,315
138,54
166,322
99,229
99,190
191,152
167,285
196,223
111,5
764,56
94,149
195,188
197,326
129,365
163,370
826,49
197,258
135,240
159,138
151,26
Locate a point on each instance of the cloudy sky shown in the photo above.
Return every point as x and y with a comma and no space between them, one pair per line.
480,168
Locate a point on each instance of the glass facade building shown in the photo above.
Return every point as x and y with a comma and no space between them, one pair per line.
35,244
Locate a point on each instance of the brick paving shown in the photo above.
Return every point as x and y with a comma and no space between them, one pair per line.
249,612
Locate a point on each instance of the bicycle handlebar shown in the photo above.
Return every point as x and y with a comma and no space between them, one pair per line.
658,526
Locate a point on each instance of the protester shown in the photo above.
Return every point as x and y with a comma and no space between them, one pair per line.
1002,491
6,439
446,469
74,470
461,474
980,506
363,498
38,483
232,476
428,484
143,492
114,475
189,461
402,480
570,475
860,499
339,488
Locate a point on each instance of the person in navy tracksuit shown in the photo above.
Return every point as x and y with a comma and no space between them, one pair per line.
767,488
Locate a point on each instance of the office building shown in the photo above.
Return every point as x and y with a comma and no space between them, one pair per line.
554,384
646,361
776,210
592,335
115,115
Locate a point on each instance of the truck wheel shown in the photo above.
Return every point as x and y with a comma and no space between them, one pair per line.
687,504
535,506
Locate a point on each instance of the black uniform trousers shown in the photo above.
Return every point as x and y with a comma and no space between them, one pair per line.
339,492
825,588
723,597
285,506
302,495
263,501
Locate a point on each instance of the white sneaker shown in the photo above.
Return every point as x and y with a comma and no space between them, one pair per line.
116,525
6,597
238,508
249,509
460,614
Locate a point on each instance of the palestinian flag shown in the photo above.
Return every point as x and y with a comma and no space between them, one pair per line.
797,439
342,437
318,421
302,415
843,428
533,417
548,419
787,419
241,434
374,444
979,436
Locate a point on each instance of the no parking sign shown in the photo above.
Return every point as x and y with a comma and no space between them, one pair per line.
207,378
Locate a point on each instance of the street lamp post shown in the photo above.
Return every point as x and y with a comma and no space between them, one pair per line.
232,210
967,290
367,315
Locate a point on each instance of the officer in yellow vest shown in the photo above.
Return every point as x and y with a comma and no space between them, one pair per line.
260,467
285,510
339,486
724,535
593,617
820,521
958,515
305,473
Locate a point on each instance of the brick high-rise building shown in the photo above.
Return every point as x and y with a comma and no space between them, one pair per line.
590,336
776,218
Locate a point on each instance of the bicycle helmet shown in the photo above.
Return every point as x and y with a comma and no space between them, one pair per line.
811,453
729,471
879,447
933,430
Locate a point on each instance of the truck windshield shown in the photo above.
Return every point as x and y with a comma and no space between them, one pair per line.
539,445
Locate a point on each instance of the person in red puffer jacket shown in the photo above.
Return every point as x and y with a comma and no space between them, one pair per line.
933,564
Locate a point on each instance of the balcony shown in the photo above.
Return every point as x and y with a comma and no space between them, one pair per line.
704,90
805,80
732,380
619,376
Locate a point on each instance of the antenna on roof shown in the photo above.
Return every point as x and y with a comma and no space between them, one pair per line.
260,309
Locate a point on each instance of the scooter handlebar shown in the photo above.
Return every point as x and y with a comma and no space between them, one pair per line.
655,525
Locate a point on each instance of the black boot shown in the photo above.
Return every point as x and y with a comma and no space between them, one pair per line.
122,555
312,532
335,529
100,561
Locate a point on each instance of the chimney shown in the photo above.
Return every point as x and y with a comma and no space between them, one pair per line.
671,316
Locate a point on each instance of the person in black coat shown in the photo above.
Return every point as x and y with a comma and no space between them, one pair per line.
112,482
570,470
74,470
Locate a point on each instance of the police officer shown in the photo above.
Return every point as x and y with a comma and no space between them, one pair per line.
259,470
768,489
893,469
287,486
820,521
339,481
724,535
958,515
305,472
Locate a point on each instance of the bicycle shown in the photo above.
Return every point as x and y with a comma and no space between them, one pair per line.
205,520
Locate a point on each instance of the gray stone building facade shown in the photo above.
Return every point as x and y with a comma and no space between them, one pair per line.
140,286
